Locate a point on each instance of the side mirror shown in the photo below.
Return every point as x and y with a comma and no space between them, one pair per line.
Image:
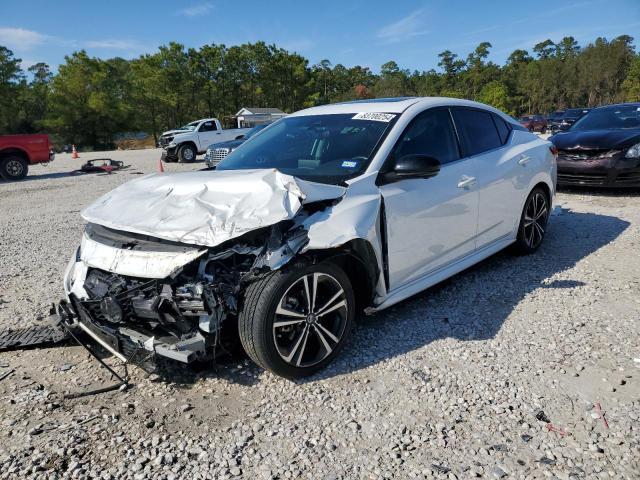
239,137
411,166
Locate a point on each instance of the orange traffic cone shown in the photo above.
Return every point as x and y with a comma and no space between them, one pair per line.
74,153
160,166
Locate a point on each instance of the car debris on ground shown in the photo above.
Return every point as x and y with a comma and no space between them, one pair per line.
101,165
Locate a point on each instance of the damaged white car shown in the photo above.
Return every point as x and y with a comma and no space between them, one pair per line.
328,212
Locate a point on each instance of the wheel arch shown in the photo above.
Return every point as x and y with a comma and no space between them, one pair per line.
544,185
11,151
188,142
357,258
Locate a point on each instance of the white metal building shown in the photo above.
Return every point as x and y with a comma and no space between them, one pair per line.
252,116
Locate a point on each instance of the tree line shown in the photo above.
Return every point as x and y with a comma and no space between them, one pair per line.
89,100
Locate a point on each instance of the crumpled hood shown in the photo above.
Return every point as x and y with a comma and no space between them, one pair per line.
205,208
596,139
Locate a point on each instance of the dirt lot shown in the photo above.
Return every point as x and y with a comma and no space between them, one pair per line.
449,384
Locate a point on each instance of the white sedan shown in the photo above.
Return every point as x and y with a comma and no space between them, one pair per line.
329,211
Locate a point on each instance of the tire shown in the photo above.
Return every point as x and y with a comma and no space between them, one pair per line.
187,154
533,222
304,342
13,168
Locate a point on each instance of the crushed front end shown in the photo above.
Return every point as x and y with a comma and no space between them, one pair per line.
139,296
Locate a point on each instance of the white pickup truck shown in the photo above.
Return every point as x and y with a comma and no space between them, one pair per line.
184,143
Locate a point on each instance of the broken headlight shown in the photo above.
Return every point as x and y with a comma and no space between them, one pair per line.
111,309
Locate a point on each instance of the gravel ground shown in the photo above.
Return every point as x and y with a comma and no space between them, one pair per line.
449,384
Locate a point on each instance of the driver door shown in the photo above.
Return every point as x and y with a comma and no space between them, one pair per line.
207,134
430,222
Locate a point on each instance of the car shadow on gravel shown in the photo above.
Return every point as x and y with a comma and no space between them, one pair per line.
43,176
473,305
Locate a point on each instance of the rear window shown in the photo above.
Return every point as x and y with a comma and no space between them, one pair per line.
503,129
478,130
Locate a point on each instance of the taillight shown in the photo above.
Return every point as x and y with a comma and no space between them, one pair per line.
554,150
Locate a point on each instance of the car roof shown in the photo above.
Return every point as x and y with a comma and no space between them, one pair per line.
617,105
390,105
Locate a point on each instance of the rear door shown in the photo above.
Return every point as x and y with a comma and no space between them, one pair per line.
503,171
430,222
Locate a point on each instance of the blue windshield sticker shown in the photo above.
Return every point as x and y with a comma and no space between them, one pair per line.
349,164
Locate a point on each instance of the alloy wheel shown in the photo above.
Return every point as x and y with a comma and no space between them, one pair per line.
535,220
188,154
310,319
14,168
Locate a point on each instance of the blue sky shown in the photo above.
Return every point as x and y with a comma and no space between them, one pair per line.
356,32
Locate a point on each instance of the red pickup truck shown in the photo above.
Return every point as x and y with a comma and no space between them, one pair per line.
17,152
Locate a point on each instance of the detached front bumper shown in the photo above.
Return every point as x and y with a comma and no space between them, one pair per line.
607,169
169,154
125,343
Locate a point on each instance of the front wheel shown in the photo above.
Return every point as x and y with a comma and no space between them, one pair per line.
533,222
293,322
187,154
13,168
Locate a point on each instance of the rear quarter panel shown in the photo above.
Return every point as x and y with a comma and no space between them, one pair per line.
36,147
543,164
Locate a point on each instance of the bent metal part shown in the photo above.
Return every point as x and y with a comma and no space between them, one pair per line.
169,283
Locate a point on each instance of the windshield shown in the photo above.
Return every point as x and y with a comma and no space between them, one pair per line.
610,118
320,148
254,130
525,119
189,126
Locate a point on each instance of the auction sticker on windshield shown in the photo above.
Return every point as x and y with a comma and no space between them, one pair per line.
378,117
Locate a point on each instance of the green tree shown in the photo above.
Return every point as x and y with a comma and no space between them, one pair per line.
631,84
11,85
496,94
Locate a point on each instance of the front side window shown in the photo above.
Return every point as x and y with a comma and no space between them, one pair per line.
208,127
320,148
430,133
478,130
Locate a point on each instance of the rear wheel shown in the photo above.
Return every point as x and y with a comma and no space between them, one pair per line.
294,322
13,168
533,222
187,154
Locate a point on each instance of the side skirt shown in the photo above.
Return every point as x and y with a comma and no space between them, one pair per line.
437,276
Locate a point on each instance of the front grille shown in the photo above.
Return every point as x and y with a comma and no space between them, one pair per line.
630,178
585,154
218,154
589,179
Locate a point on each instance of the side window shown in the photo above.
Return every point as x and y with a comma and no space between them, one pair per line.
478,130
430,133
207,127
503,129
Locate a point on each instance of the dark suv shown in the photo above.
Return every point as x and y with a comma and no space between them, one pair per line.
569,117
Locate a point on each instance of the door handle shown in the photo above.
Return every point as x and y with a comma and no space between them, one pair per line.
466,181
524,159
